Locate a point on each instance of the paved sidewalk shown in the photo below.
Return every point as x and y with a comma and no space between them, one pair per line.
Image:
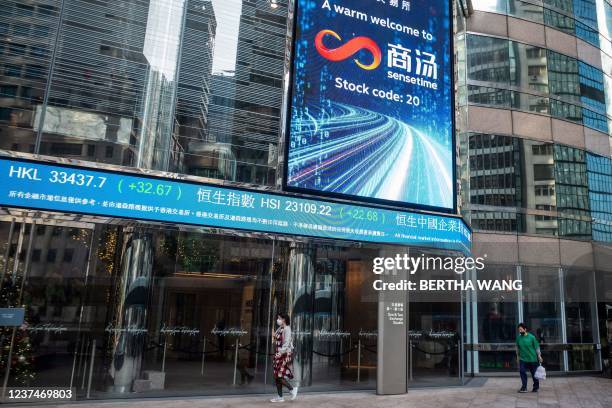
562,392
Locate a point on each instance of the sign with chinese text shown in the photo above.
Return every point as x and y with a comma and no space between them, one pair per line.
71,189
372,102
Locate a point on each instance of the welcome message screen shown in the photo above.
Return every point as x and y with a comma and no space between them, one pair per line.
371,113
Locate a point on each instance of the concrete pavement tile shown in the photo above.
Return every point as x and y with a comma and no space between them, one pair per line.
562,392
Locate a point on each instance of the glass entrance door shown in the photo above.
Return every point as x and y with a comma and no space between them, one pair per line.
435,332
44,267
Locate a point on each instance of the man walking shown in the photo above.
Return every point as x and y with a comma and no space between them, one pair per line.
529,356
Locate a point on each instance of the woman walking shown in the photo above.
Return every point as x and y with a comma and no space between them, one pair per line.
283,358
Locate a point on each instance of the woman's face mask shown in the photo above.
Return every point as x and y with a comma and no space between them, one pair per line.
279,321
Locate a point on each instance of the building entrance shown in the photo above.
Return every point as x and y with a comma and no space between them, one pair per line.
120,309
45,269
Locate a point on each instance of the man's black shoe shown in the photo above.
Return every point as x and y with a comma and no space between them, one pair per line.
522,390
534,390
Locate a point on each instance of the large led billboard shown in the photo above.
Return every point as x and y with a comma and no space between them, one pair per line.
372,102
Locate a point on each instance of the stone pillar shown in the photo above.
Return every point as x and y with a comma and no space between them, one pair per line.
392,370
128,330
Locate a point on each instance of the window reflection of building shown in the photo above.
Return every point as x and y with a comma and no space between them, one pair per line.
513,75
599,173
539,187
494,180
572,192
101,105
562,185
244,111
488,59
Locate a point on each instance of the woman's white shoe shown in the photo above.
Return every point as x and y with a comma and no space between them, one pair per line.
277,399
294,393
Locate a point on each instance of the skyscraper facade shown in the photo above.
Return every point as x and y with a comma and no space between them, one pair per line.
196,92
534,102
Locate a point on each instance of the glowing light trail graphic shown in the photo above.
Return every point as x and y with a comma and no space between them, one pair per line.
370,155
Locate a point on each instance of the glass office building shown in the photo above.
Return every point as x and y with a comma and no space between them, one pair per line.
534,104
119,308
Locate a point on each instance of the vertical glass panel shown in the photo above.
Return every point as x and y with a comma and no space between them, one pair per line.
492,6
595,120
342,289
604,309
528,67
593,96
572,192
191,87
47,277
435,334
591,87
488,59
599,173
586,11
542,310
179,313
559,21
579,306
567,111
563,79
542,307
27,39
240,136
497,310
565,5
217,293
528,11
530,103
481,95
539,187
580,317
587,33
494,169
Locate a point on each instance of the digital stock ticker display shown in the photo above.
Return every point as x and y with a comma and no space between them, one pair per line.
81,190
371,102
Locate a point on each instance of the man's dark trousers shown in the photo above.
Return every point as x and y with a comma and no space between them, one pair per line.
531,367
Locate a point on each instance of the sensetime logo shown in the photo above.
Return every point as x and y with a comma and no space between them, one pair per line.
348,49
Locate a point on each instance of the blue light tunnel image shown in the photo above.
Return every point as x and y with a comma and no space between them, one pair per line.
355,151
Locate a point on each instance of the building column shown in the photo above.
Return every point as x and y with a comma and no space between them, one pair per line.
128,330
299,288
392,370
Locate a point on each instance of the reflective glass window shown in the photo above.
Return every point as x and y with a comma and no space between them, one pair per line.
25,64
559,21
563,78
493,6
527,11
572,192
481,95
528,67
542,309
190,87
599,173
592,87
488,59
